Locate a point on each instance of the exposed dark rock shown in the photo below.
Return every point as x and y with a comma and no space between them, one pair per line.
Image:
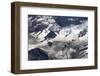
82,33
50,44
37,54
51,34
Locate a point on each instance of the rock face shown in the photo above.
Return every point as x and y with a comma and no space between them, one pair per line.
57,37
50,35
37,54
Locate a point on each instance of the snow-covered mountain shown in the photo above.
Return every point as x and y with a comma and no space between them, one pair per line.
60,37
